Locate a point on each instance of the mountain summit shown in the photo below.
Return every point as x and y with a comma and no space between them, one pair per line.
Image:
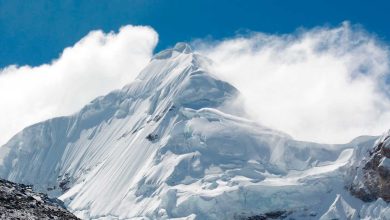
172,144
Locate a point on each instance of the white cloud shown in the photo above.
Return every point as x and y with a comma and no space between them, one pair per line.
97,64
324,84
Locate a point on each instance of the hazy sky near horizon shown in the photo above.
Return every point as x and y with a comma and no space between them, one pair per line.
327,82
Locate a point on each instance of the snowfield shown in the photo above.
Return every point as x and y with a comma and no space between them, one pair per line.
175,144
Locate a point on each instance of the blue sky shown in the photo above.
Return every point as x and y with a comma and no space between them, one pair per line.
34,32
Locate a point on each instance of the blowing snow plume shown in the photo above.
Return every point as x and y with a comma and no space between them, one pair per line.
97,64
324,84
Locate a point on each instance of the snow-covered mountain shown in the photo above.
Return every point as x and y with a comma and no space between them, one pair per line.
175,144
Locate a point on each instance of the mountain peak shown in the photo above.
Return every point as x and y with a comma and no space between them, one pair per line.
179,48
183,47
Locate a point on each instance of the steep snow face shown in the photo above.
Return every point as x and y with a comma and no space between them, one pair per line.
172,144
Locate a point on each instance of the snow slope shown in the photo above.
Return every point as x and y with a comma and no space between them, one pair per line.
174,144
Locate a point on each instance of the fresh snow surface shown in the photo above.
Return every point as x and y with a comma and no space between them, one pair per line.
376,210
385,162
174,145
340,209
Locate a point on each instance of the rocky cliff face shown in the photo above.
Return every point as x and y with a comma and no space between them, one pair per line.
371,177
18,201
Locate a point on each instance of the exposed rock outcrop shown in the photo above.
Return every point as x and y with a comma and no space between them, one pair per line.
18,201
371,176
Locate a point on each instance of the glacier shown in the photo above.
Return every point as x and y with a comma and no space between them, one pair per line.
176,144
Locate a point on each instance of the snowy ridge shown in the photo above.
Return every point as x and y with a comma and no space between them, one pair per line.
173,144
340,210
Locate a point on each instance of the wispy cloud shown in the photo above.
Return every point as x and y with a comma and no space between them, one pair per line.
324,84
97,64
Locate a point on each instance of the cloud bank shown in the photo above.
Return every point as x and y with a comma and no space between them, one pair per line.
97,64
324,84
